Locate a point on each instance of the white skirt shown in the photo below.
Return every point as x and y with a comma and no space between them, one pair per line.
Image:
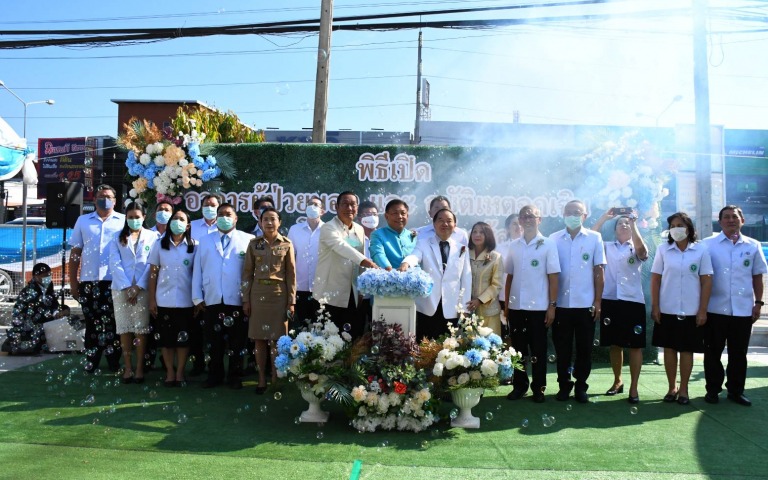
131,318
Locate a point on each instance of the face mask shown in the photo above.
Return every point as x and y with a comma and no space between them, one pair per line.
225,224
573,222
209,213
162,217
45,281
313,211
134,223
370,221
678,234
105,203
178,226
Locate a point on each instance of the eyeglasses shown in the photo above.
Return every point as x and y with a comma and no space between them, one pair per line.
528,217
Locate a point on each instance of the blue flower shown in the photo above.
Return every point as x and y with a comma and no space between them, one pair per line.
211,160
284,344
193,149
474,356
482,343
495,340
282,361
505,372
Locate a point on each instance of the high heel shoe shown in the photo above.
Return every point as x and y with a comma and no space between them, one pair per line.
614,390
633,400
670,397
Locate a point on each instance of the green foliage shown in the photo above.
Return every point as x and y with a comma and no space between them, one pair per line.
218,127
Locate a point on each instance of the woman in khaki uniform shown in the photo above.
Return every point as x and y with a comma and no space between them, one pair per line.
487,272
269,289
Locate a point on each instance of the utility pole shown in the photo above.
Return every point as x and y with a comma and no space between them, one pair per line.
323,67
417,127
702,147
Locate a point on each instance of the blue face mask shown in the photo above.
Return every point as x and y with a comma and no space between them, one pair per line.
45,281
209,213
178,227
105,203
573,221
134,223
162,217
225,224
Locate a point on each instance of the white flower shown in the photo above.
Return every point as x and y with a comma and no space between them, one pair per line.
159,147
133,193
346,336
452,381
489,368
438,370
453,361
463,378
484,331
313,377
150,149
144,159
475,375
423,395
443,355
359,393
450,343
159,161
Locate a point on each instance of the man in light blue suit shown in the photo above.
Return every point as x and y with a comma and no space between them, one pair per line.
216,291
392,243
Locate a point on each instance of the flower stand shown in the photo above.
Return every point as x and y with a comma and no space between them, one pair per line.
314,414
465,399
400,310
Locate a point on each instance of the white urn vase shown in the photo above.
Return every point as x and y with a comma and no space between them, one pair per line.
465,399
314,414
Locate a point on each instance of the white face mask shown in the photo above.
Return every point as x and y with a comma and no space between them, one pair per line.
313,211
573,221
371,221
678,234
209,213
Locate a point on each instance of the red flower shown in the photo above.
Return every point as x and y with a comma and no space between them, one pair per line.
370,378
400,388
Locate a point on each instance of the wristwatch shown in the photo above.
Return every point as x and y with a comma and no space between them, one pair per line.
552,304
759,302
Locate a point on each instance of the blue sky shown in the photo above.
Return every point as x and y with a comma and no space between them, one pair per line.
624,71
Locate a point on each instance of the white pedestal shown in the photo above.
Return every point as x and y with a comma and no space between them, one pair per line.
61,337
400,310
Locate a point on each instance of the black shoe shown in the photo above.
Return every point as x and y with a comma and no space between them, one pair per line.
565,392
260,390
581,396
740,399
538,397
633,400
683,400
614,390
138,380
127,380
516,394
670,398
711,398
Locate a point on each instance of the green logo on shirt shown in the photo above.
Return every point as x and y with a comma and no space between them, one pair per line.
631,260
585,257
242,254
694,267
534,263
146,248
746,262
186,262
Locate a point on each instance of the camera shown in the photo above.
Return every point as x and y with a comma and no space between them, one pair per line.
622,211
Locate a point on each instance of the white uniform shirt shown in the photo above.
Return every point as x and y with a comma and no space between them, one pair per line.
530,264
128,263
734,264
200,228
306,243
459,235
93,236
174,280
680,291
623,277
503,249
578,257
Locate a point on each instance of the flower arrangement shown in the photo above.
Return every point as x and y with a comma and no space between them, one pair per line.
313,356
162,165
474,357
414,282
394,393
627,173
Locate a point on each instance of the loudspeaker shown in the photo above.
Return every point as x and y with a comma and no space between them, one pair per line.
64,203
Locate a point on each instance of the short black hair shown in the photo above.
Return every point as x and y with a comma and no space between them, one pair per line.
264,199
226,205
735,208
218,198
437,214
394,203
367,204
439,198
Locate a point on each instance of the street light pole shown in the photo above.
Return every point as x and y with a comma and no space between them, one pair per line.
676,99
24,185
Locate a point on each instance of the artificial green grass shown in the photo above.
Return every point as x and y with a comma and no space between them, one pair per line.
134,430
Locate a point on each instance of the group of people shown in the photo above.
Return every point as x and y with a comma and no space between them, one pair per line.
206,290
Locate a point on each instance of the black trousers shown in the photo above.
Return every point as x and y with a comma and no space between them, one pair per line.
226,332
529,337
735,331
432,326
573,325
100,336
196,353
346,318
306,311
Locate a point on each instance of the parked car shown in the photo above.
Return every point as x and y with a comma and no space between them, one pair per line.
37,221
757,199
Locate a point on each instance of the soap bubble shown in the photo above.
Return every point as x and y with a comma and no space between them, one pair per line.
606,321
375,349
569,407
347,327
263,409
454,413
182,419
638,329
183,337
278,396
228,321
681,315
596,342
525,423
489,416
633,410
319,435
552,358
546,422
